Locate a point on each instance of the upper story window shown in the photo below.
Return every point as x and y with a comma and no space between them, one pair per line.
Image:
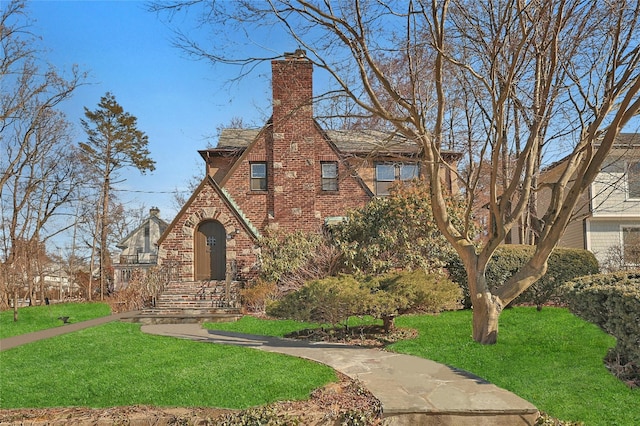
329,172
633,180
258,176
631,245
389,173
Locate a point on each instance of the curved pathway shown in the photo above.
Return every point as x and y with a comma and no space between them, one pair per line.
412,390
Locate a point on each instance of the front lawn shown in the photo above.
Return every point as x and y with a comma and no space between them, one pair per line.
550,358
35,318
116,364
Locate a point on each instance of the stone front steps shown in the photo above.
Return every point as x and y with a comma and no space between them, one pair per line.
193,302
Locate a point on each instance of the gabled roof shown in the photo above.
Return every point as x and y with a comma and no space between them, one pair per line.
346,141
622,141
123,244
627,140
238,143
226,198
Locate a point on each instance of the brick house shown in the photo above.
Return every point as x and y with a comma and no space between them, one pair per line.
290,175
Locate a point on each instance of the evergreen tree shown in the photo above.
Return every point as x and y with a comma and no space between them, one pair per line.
114,142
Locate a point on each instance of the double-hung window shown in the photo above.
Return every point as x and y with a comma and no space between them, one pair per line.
633,180
258,176
631,245
329,175
389,173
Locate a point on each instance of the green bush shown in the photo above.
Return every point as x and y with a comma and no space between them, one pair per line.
411,292
563,265
394,232
612,302
290,259
334,300
331,300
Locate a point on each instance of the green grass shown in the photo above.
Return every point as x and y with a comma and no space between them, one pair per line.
35,318
276,328
550,358
115,364
261,327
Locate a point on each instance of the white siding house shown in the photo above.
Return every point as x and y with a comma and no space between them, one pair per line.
607,221
139,249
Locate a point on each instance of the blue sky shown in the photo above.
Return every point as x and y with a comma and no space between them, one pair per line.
179,102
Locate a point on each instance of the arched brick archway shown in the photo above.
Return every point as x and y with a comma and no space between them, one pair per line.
210,251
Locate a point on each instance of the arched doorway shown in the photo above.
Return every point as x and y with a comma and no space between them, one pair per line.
210,251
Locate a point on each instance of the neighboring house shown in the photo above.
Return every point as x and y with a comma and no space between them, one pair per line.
139,250
57,283
607,219
289,175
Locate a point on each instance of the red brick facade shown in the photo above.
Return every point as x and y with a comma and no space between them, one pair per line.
293,148
294,151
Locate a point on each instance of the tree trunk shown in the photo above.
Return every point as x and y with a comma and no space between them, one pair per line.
486,313
103,236
486,308
15,304
388,323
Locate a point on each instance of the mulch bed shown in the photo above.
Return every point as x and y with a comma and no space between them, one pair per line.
370,336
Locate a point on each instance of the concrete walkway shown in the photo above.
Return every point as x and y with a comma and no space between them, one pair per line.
412,390
12,342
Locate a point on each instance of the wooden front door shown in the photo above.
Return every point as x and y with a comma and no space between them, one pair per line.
210,251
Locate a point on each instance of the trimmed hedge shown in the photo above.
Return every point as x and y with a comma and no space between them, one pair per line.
564,265
612,302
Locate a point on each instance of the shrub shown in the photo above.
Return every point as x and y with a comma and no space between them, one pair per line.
333,300
411,292
142,289
563,265
612,302
257,295
395,232
291,259
329,301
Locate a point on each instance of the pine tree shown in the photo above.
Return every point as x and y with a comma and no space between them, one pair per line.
114,142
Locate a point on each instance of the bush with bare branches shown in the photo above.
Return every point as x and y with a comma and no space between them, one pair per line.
143,289
291,259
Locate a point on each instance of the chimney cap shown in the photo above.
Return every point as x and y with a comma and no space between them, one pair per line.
298,54
154,211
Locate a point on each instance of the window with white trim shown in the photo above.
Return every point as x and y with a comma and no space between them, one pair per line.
389,173
258,176
631,245
633,180
329,175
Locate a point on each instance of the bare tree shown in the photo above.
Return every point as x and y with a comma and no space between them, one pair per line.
512,80
114,142
38,168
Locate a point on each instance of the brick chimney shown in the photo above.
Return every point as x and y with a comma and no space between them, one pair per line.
292,147
292,88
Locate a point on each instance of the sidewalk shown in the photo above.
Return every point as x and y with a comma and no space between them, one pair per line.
12,342
412,390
